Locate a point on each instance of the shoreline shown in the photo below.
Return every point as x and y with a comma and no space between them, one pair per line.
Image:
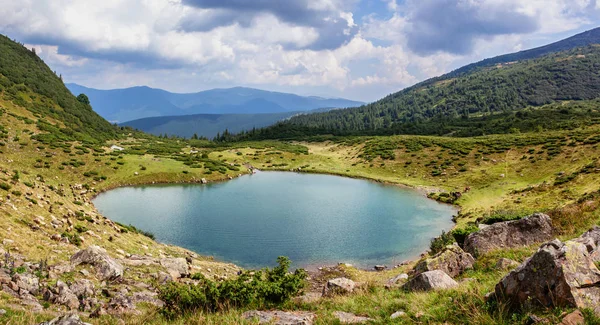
314,267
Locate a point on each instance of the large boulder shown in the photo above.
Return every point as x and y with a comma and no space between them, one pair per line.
452,260
557,275
430,280
536,228
277,317
176,267
338,286
27,283
106,267
591,240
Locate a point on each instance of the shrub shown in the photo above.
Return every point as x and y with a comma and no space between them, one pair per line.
80,228
5,186
260,289
438,243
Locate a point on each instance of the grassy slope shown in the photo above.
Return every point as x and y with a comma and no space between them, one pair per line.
530,165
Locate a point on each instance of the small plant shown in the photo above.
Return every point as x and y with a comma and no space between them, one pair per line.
5,186
438,243
267,288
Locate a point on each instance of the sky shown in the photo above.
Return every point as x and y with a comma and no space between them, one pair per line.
356,49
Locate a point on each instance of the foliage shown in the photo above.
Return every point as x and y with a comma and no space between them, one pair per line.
556,91
260,289
438,243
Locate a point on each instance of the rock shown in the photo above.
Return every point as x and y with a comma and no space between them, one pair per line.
72,319
558,274
176,267
120,304
534,319
204,181
308,298
27,282
527,231
147,297
5,277
338,286
348,318
591,240
64,296
83,288
452,260
163,277
506,263
396,280
398,314
278,317
56,237
106,267
2,312
379,267
431,280
574,318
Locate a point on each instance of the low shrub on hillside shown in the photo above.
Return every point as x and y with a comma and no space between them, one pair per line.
259,289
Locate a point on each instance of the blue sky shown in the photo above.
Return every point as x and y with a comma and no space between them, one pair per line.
358,49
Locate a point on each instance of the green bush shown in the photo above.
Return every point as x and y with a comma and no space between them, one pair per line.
438,243
5,186
267,288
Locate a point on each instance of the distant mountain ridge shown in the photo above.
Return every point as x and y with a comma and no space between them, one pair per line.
121,105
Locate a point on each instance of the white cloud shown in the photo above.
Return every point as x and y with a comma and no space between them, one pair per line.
118,43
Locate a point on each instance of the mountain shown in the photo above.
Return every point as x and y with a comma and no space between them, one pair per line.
478,99
205,125
23,73
119,105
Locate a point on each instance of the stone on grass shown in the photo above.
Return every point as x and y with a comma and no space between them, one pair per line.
348,318
452,260
557,275
106,267
574,318
398,314
431,280
277,317
338,286
176,267
72,319
533,229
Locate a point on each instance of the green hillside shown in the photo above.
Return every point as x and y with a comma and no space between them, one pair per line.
56,156
22,72
555,91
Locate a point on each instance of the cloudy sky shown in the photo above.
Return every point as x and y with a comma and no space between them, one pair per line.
358,49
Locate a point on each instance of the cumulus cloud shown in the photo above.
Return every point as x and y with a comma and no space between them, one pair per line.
328,46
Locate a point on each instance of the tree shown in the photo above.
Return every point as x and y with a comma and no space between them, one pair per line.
195,136
83,98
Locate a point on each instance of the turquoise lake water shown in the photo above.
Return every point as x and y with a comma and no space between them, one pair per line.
313,219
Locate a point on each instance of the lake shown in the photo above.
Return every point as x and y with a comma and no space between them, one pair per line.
313,219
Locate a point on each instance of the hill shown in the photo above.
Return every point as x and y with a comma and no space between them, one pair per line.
120,105
478,99
205,125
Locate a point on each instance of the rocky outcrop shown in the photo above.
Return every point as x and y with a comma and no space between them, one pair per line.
278,317
430,280
452,260
66,320
106,267
348,318
536,228
64,296
591,240
557,275
176,267
338,286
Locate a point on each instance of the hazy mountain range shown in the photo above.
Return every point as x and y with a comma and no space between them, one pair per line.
121,105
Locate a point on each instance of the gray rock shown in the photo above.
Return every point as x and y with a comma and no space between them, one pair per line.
452,260
27,282
348,318
72,319
120,304
506,264
396,280
430,280
338,286
147,297
278,317
64,296
2,312
536,228
558,275
106,267
176,267
574,318
83,288
398,314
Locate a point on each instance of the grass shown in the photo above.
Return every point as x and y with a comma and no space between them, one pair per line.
508,176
